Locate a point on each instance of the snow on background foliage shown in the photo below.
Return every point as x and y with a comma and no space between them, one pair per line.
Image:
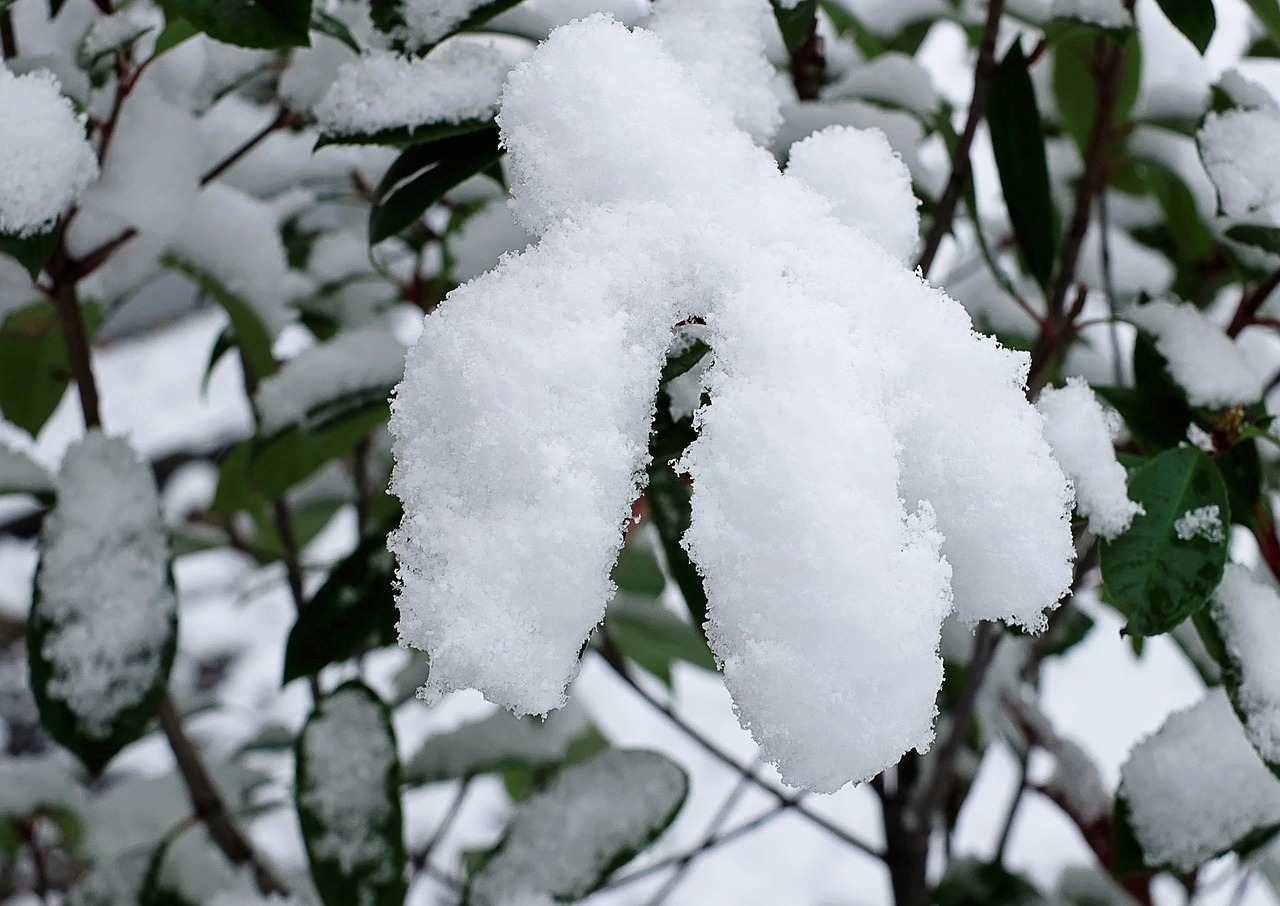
514,503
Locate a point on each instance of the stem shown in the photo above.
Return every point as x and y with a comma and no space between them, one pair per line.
1006,830
423,856
983,72
1246,312
8,38
283,119
67,304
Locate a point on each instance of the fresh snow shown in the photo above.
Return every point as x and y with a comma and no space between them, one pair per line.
1196,787
1241,151
1202,359
103,587
1082,433
428,21
1104,13
876,197
903,470
1202,522
357,362
1246,612
381,90
45,159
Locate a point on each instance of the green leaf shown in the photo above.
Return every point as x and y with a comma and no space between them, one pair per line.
1155,409
795,22
1268,13
496,743
1159,572
591,819
637,571
268,24
353,609
176,30
1126,852
334,28
34,370
278,462
1194,18
670,510
20,474
251,335
32,252
423,174
1264,237
104,621
1075,87
347,793
969,882
1017,141
647,633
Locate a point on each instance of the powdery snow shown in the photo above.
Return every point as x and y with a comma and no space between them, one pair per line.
429,21
1104,13
1202,359
874,197
103,587
1202,522
1246,612
1082,433
361,362
380,91
1241,151
1196,787
45,159
842,384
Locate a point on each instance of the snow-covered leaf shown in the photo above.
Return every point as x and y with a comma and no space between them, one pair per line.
103,626
592,819
248,331
348,799
419,25
1167,564
970,882
1155,409
20,474
267,24
333,27
1209,365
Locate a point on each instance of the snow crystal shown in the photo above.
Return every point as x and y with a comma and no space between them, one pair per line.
1104,13
720,44
560,840
103,586
346,754
358,362
1241,151
517,474
875,196
1202,522
45,159
1247,614
1196,787
427,22
459,81
1202,359
1081,433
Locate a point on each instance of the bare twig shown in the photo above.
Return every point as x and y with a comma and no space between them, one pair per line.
1246,312
984,69
422,858
1006,829
282,120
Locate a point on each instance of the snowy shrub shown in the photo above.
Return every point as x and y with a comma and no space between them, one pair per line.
635,451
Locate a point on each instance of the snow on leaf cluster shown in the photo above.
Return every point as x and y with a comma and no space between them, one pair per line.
868,462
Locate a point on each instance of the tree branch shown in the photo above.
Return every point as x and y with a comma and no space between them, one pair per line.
984,70
283,119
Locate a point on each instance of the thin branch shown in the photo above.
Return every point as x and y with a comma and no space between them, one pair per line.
1247,311
984,70
8,38
1006,829
85,266
67,303
1109,287
422,858
283,119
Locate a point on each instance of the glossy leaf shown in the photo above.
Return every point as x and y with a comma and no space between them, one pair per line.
268,24
32,252
34,370
1268,13
1194,18
251,335
1262,236
1162,570
795,21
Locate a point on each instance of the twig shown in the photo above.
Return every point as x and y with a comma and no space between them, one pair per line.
8,38
422,858
984,70
1246,312
1006,830
75,335
283,119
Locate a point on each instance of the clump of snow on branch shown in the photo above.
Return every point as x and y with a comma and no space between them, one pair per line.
45,159
1196,787
1104,13
867,458
1202,359
875,198
381,90
1202,522
103,587
1246,612
1081,433
364,363
1241,151
429,21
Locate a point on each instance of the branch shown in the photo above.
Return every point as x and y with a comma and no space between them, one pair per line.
8,38
1246,312
283,118
984,70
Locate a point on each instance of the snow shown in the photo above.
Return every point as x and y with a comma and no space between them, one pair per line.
1082,433
1202,359
1197,787
426,22
1202,522
45,159
561,840
1246,612
1241,151
20,474
875,198
346,752
521,426
111,33
103,586
40,782
460,81
892,78
357,363
1105,13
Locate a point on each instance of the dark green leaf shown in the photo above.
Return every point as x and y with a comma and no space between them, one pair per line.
1241,469
266,24
1156,577
252,337
32,252
347,793
176,30
1264,237
333,27
1268,13
1074,84
969,882
354,609
423,174
1017,141
543,853
1069,632
225,342
670,509
1155,409
637,571
1126,852
795,22
278,462
1194,18
647,633
34,370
